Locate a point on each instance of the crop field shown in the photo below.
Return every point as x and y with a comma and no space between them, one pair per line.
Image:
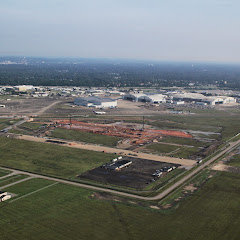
49,159
67,213
85,137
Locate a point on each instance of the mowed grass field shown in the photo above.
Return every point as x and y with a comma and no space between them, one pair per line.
67,213
162,148
175,151
85,137
4,172
49,159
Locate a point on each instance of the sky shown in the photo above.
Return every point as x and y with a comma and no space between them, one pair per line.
165,30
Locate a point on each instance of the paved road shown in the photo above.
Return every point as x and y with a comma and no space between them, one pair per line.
184,162
157,197
10,174
11,184
26,118
44,109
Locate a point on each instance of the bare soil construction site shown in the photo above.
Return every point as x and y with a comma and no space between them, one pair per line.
137,175
137,133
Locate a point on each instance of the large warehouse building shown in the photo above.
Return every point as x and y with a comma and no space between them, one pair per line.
96,102
148,97
200,98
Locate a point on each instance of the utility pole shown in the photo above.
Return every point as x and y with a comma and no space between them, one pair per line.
143,124
70,118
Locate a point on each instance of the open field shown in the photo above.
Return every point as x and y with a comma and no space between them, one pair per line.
66,212
85,137
27,128
48,159
185,162
183,141
25,106
27,187
4,172
6,122
162,148
235,161
11,179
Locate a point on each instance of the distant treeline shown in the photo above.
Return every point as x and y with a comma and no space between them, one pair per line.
114,73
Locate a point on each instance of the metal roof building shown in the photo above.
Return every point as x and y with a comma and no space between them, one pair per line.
96,102
153,98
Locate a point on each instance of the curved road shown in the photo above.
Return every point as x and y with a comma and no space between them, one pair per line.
157,197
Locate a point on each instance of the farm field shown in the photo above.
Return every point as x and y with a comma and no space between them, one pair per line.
67,213
85,137
49,159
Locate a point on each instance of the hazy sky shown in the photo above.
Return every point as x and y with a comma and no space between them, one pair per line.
185,30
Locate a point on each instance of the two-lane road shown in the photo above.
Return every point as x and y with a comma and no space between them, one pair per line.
157,197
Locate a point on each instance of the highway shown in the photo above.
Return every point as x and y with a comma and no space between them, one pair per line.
123,194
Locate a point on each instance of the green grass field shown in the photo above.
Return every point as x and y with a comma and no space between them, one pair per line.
66,213
11,179
162,148
235,161
183,141
31,126
175,151
49,159
5,122
4,172
186,152
210,121
27,128
85,137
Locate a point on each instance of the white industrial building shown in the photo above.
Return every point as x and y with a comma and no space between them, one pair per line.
148,97
23,88
96,102
153,98
200,99
213,100
134,96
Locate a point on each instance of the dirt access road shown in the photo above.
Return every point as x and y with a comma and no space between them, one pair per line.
183,162
157,197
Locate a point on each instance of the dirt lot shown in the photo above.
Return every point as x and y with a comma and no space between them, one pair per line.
138,175
124,108
26,107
